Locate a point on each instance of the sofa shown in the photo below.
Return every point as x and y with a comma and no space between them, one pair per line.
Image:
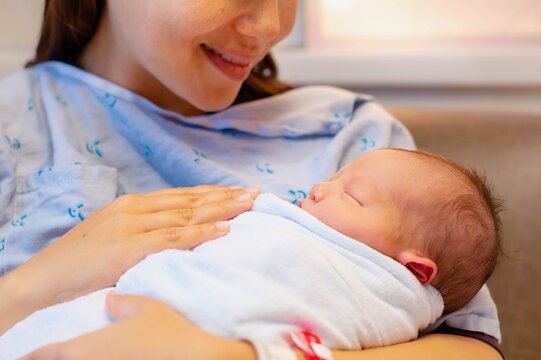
507,147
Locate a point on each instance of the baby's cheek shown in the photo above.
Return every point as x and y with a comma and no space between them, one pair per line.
312,208
342,221
325,215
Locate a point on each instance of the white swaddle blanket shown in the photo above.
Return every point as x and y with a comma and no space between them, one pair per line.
277,270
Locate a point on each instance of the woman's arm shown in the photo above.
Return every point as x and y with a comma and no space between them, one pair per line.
433,346
150,329
17,302
94,254
145,329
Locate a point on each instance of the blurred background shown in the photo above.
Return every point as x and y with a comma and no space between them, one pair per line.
468,54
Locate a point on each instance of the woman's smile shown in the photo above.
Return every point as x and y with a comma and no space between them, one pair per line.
235,66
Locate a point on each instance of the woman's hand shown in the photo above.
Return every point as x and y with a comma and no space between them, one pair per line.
145,329
94,254
149,329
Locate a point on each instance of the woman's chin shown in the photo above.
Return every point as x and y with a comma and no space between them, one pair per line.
216,101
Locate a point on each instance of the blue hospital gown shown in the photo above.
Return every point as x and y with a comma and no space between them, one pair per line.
72,142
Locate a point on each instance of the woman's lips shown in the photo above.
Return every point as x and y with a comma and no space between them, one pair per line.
236,71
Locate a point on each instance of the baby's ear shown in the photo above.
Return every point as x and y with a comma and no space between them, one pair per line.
422,267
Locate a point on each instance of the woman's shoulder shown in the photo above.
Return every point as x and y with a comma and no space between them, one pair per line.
36,120
14,88
21,91
17,106
33,98
50,78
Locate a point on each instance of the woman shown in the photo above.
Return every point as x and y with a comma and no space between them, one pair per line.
173,59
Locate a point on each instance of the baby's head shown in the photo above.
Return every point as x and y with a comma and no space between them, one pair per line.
428,213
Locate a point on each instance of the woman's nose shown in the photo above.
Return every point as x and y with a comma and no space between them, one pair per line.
261,21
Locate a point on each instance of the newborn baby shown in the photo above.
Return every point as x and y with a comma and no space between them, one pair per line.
374,256
428,213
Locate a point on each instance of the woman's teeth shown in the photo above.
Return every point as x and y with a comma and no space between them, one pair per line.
225,57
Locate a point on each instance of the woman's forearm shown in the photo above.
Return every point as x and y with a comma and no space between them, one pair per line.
17,303
29,288
173,336
434,346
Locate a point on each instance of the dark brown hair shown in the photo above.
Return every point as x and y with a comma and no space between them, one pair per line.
68,26
459,227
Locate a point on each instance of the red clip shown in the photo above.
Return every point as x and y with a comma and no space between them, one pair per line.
310,345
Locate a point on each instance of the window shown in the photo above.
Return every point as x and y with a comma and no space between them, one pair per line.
414,23
416,43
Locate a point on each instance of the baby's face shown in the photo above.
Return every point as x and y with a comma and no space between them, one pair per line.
360,200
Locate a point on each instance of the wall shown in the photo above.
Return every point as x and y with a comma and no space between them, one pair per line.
498,80
20,21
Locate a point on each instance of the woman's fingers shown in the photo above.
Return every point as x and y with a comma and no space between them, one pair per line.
184,238
121,307
195,189
170,201
145,329
221,208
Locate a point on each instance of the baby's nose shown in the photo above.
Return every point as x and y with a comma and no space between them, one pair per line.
319,192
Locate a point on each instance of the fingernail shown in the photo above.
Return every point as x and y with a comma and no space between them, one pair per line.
222,225
243,197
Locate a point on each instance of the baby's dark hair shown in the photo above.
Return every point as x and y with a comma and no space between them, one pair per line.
458,228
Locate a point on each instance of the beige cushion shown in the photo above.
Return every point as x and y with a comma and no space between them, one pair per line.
508,148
